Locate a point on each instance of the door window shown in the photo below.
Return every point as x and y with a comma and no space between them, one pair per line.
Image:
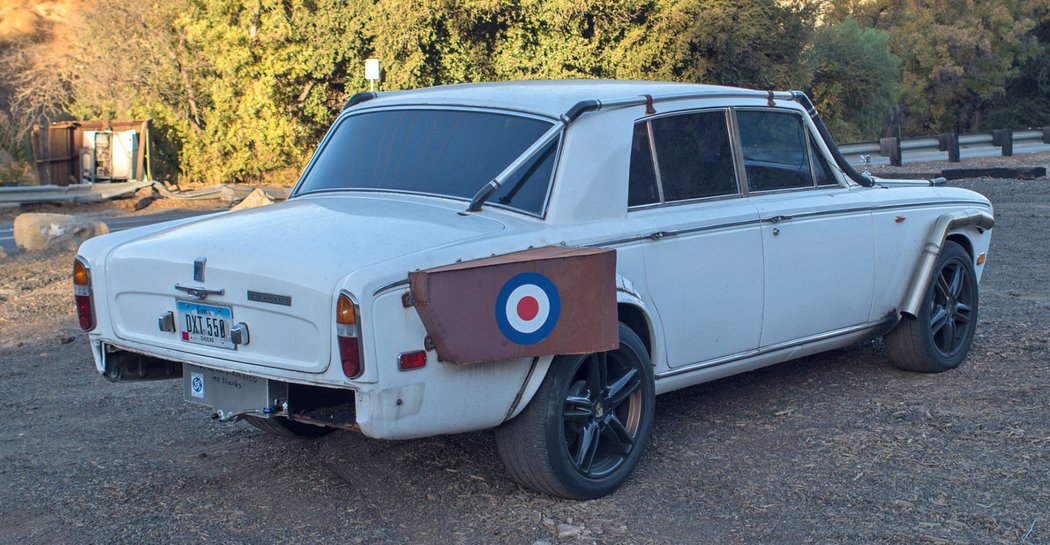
774,146
641,185
694,156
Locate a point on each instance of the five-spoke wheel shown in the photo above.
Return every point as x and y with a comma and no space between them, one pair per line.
583,432
939,337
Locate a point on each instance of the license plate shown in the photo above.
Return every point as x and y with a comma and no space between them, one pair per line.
225,391
205,324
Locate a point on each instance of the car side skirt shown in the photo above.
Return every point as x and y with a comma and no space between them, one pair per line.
743,362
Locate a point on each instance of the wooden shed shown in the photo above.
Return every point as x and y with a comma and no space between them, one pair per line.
65,153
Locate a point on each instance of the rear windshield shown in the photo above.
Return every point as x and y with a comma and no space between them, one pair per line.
439,152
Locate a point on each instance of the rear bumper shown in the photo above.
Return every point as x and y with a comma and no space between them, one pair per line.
437,399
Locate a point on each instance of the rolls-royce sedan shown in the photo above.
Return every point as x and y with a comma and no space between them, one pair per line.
542,258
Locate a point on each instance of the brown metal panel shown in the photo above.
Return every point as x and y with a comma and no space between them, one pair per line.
537,302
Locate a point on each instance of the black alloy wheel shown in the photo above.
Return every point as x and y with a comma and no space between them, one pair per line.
939,338
602,414
586,427
952,308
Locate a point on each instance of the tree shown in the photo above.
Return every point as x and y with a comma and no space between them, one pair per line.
857,80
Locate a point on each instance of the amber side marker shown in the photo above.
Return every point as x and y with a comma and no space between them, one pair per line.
981,258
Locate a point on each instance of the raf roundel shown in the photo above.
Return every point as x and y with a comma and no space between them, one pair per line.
527,308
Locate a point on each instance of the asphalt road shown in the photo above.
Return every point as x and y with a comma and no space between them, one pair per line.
7,232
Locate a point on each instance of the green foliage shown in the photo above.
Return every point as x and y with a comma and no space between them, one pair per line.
241,90
856,81
957,55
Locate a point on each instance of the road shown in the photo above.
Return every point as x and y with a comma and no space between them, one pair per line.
120,223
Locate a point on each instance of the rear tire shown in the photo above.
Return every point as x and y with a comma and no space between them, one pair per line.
290,429
584,431
940,336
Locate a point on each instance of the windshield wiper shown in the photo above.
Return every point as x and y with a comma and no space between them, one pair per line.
535,149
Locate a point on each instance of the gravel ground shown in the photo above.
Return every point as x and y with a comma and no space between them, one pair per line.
835,448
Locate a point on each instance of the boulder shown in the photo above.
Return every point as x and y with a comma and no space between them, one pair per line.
44,231
254,199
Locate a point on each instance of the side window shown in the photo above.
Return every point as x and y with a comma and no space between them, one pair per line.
821,170
641,184
774,146
694,156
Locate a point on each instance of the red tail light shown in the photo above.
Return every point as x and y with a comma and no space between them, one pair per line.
82,294
348,331
412,360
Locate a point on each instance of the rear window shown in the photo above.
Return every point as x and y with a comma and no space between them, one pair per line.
439,152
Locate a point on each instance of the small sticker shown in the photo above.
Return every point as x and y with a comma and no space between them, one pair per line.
197,385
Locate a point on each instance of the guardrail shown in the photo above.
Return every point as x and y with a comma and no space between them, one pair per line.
952,143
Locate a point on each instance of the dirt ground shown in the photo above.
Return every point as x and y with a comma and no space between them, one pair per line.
835,448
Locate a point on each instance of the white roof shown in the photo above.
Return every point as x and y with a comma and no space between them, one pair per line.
546,97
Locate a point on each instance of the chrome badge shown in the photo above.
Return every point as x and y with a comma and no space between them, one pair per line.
198,269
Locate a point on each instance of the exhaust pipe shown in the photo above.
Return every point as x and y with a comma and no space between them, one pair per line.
840,160
932,250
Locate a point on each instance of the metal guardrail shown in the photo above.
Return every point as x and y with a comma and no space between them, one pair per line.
84,193
949,142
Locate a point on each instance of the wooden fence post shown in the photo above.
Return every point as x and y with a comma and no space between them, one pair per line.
1004,138
949,142
891,147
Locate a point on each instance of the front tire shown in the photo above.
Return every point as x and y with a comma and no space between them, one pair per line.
940,336
584,431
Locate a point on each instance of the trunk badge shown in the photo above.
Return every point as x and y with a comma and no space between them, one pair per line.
198,269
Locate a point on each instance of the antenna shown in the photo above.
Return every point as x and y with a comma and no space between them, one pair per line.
372,73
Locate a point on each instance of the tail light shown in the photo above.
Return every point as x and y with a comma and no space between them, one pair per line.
348,334
82,294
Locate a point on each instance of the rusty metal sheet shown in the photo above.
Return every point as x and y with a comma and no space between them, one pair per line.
537,302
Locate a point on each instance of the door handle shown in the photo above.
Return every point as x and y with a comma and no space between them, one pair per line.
778,219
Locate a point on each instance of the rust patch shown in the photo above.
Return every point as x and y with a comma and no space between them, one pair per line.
538,302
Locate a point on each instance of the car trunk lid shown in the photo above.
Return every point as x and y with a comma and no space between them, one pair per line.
278,269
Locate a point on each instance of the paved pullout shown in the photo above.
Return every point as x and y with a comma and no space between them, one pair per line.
836,448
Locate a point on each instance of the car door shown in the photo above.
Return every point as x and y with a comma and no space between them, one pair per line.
817,234
703,259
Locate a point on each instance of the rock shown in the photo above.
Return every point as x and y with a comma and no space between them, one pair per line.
568,530
142,198
44,231
254,199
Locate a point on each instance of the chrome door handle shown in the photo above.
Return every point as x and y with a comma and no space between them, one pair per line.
778,219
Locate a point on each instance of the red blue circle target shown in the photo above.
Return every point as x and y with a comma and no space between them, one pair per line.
527,308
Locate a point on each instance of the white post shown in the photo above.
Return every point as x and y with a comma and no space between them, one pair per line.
372,73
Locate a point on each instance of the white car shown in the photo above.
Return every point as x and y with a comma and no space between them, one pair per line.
542,258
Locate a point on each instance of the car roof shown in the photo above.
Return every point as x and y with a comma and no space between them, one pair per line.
546,97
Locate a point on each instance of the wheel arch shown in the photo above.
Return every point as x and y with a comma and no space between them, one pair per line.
630,310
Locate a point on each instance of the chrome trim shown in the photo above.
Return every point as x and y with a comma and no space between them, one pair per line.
357,330
389,286
772,348
199,293
868,209
656,165
90,293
